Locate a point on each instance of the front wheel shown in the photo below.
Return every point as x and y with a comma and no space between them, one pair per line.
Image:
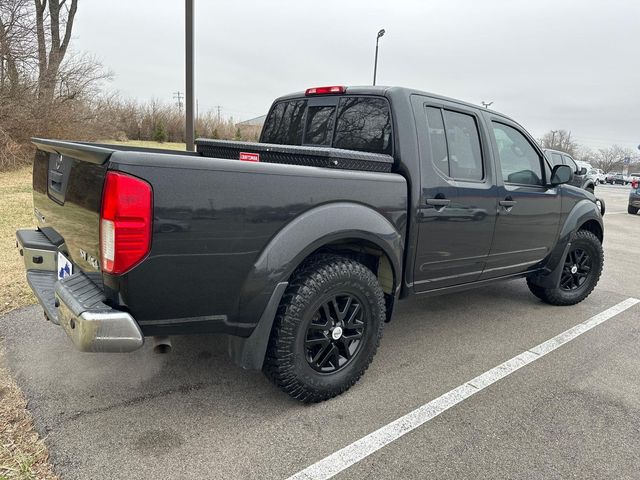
580,272
327,329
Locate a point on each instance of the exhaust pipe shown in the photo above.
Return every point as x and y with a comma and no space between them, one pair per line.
161,344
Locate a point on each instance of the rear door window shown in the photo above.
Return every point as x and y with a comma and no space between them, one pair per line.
455,144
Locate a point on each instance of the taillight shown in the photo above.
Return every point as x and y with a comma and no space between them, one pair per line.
125,222
325,90
634,183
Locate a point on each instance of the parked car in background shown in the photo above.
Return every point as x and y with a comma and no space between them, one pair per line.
597,175
634,177
618,179
609,177
634,195
580,178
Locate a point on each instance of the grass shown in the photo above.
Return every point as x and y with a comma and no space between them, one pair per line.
23,455
16,211
149,144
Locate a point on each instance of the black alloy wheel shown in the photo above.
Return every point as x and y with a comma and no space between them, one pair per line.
327,329
577,268
334,335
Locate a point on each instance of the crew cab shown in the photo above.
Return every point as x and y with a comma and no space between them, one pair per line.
300,246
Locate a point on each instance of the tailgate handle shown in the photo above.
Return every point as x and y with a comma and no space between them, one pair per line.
55,178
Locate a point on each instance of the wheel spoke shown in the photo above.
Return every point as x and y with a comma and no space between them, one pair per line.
322,353
353,317
345,310
311,342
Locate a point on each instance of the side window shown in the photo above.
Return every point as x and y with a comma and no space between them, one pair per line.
438,140
569,161
556,159
319,125
455,144
519,161
465,156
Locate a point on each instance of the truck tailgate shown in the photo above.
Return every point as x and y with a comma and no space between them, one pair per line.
67,191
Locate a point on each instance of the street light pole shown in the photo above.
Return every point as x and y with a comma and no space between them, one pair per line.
189,77
375,62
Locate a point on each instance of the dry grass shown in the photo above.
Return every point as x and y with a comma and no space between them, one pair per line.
149,144
16,211
23,455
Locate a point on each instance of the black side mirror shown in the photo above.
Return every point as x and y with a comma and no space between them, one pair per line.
582,171
561,174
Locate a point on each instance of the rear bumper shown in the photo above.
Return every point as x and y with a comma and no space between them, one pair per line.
76,303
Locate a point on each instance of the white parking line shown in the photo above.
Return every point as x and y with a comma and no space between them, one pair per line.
360,449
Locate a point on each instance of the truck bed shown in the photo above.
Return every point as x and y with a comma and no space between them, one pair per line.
213,220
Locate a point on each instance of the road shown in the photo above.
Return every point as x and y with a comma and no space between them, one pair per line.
192,414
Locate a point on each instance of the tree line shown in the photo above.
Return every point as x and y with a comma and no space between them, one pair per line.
49,90
610,159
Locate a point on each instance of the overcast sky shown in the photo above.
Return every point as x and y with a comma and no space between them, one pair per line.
549,64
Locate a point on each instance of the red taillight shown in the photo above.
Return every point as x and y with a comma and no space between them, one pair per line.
634,183
125,222
324,90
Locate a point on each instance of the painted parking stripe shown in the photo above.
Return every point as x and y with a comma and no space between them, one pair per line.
360,449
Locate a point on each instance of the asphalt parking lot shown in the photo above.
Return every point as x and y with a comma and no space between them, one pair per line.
192,414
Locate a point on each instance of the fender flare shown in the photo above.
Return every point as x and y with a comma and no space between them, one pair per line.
584,211
266,282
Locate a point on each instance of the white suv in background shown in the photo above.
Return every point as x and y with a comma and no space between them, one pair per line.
597,175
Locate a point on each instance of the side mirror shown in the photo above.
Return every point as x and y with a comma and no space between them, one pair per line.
583,171
561,174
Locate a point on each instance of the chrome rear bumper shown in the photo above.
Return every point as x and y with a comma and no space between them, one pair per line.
76,302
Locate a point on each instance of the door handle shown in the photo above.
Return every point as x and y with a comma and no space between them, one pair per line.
438,202
507,202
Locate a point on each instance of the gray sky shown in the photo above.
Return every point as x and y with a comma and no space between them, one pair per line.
549,64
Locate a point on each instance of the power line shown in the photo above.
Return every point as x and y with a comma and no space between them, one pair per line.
178,96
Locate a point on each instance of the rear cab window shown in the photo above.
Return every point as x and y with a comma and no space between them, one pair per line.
361,123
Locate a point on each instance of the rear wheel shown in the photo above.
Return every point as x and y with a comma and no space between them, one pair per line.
580,272
632,210
327,329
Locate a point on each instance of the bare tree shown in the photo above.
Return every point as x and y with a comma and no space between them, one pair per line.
560,140
612,158
49,65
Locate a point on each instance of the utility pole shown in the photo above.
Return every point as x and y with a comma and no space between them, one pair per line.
177,96
553,138
189,75
486,104
218,107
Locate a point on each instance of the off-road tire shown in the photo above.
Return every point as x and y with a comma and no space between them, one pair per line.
632,210
318,278
586,241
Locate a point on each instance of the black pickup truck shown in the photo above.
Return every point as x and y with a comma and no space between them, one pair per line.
299,247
